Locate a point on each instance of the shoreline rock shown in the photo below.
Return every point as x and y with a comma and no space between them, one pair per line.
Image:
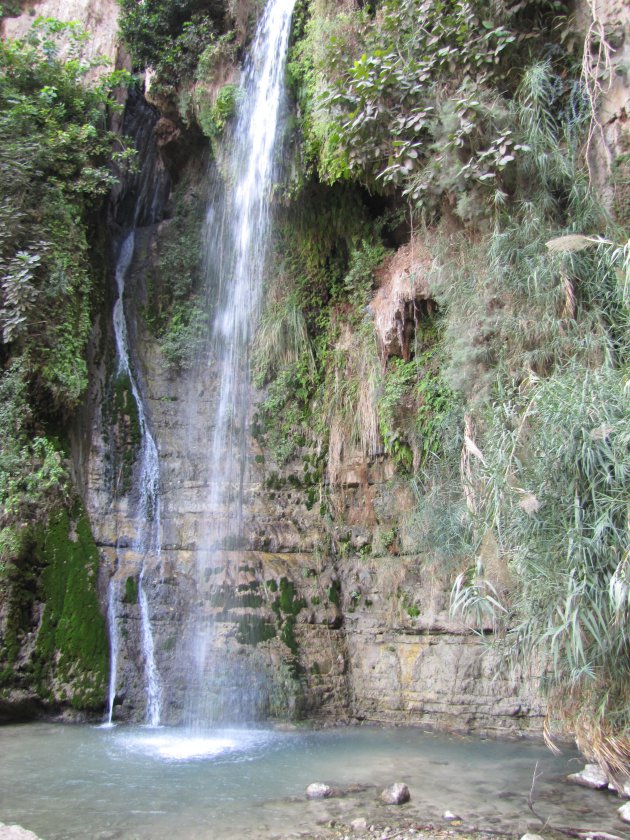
16,832
396,794
591,777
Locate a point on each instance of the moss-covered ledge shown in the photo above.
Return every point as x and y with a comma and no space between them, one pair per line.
53,635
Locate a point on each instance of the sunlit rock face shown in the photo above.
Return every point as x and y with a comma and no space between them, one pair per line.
606,25
99,18
332,621
337,621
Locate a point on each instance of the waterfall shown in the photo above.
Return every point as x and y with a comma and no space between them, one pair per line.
112,594
147,515
144,195
237,228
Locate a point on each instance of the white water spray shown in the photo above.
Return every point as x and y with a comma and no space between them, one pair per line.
112,593
147,517
237,229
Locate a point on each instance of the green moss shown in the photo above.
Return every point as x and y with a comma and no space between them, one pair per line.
122,425
274,481
72,642
334,593
253,630
131,591
22,588
288,603
287,634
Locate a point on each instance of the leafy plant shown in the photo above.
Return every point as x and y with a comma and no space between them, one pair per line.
169,35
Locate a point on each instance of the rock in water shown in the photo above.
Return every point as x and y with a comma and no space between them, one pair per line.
592,777
16,832
624,812
318,790
621,789
360,824
531,837
396,794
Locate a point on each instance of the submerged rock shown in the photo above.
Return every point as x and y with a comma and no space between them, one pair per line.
318,790
396,794
624,812
591,777
360,824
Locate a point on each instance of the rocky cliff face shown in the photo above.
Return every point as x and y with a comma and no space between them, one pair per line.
327,604
337,616
99,18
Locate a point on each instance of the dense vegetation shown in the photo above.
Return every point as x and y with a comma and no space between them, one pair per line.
55,155
509,415
464,128
505,404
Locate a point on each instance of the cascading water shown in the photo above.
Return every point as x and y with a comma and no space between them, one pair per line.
147,190
147,531
112,594
237,230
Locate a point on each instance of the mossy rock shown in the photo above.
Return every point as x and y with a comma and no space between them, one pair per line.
72,647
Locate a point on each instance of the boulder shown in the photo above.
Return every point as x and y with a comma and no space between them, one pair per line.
591,777
318,790
624,812
16,832
396,794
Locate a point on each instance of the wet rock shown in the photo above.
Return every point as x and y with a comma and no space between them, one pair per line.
624,812
396,794
622,789
16,832
360,824
449,815
531,837
318,790
591,777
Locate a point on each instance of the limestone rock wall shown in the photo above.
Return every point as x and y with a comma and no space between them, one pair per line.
99,18
343,623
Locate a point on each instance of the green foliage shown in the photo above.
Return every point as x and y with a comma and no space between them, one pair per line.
176,312
281,340
169,35
10,8
555,482
538,338
399,105
55,151
213,116
33,474
476,115
122,431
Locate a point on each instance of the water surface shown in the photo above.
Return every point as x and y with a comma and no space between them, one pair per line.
136,783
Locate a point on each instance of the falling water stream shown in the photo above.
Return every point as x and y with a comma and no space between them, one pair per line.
147,514
237,229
